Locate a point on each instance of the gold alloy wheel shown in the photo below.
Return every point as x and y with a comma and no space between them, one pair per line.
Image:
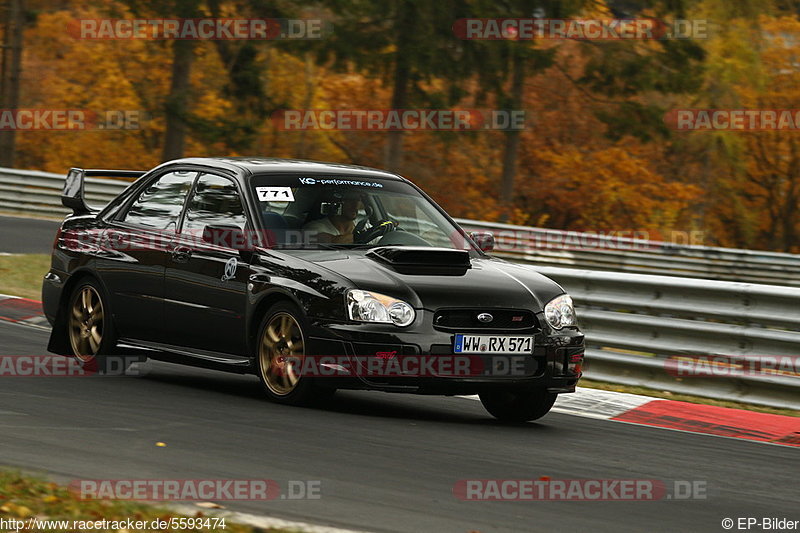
281,354
86,324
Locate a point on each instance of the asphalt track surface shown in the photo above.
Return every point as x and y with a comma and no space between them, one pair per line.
385,462
26,235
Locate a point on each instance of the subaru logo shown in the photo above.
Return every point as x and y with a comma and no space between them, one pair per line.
485,318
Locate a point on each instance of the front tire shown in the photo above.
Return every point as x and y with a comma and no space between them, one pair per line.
517,406
280,352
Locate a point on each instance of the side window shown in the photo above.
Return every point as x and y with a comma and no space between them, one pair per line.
215,202
159,205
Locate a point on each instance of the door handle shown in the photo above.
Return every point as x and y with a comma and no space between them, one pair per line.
181,254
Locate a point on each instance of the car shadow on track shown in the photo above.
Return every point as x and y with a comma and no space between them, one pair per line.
417,407
412,407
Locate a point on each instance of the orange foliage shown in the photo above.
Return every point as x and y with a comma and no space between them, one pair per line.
570,175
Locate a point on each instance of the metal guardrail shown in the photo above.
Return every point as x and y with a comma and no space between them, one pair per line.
548,247
635,324
664,332
39,193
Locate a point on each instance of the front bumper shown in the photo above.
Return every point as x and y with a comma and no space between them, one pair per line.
555,363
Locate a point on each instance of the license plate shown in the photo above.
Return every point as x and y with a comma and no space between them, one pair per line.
492,344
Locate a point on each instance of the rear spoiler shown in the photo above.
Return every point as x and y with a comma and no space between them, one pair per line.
73,195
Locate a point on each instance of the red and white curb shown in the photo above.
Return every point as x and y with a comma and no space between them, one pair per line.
596,403
718,421
22,311
680,416
589,403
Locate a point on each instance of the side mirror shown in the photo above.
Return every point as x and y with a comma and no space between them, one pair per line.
484,240
227,236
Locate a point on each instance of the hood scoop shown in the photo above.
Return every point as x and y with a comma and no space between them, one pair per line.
422,259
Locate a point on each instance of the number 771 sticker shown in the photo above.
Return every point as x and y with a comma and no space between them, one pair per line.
275,194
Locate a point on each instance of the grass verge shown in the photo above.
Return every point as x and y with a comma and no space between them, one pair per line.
21,274
26,498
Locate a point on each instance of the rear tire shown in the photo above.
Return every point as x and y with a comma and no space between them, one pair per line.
90,328
517,406
280,351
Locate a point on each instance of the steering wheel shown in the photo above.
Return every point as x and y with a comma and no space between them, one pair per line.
360,226
363,236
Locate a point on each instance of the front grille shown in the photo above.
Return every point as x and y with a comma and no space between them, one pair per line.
502,319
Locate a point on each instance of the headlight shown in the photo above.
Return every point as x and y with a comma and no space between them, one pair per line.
559,312
365,306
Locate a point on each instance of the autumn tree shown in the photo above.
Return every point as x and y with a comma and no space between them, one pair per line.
406,43
757,178
13,23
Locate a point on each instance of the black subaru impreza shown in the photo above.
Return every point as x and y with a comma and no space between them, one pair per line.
312,276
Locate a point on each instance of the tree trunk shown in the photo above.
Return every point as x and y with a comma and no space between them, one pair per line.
512,137
402,75
177,100
791,200
10,77
394,139
301,148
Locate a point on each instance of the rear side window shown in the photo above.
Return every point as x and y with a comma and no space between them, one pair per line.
215,202
159,205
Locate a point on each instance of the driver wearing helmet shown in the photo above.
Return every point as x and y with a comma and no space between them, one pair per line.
339,226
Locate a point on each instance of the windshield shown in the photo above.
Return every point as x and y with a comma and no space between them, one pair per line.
350,212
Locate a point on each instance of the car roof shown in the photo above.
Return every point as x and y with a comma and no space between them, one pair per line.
249,166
